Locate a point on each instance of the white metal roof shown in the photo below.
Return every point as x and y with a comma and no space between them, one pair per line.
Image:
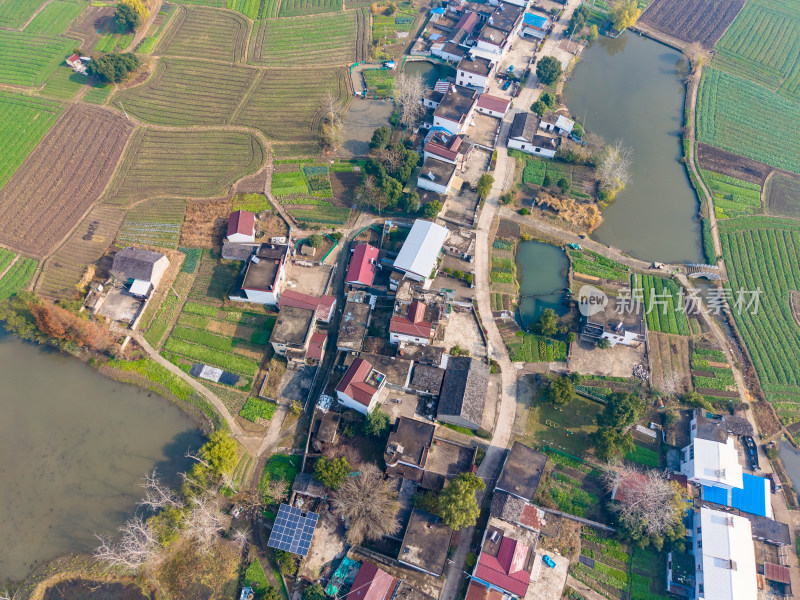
717,463
564,123
140,288
728,556
421,248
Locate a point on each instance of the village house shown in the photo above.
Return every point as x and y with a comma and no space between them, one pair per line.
492,106
372,583
524,136
444,147
454,112
447,51
323,306
711,458
464,390
505,562
241,227
432,97
354,323
426,543
264,275
316,347
522,470
77,63
535,26
518,512
475,72
412,327
436,176
558,124
142,269
495,38
363,265
426,380
361,387
291,334
420,252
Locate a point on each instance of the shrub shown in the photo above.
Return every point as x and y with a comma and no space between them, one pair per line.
524,211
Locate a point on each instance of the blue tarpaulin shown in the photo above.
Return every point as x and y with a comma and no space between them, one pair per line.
532,20
753,498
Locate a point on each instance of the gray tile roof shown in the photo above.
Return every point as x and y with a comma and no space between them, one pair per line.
525,126
463,394
136,263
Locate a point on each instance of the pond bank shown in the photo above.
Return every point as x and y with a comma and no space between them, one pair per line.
542,273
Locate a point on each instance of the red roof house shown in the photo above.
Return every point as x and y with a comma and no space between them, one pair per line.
316,345
372,583
362,265
241,226
492,105
506,571
411,328
479,591
323,305
360,387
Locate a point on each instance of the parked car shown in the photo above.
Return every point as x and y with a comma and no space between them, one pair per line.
549,561
506,85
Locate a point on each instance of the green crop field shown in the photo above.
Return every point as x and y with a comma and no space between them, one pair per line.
211,3
23,123
55,17
296,8
763,253
285,42
63,84
14,13
536,348
732,197
269,9
98,94
325,215
187,92
153,223
27,59
189,163
662,304
16,277
763,45
737,115
379,82
199,32
596,265
303,90
249,8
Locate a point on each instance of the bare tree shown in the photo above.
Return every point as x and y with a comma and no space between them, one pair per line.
137,547
240,536
698,56
204,522
613,171
408,92
276,489
331,120
372,195
392,159
368,505
646,502
157,495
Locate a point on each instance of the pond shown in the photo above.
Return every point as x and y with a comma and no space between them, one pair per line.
631,88
430,72
542,271
74,446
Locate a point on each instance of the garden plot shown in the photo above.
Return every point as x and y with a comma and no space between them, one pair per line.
205,223
663,304
306,189
85,140
17,273
214,279
185,163
147,45
590,263
197,31
732,197
153,223
669,362
783,196
503,272
15,13
701,21
187,92
530,347
296,8
712,375
571,486
567,429
157,322
55,18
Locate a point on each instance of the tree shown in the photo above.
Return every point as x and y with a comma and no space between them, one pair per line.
331,121
220,453
315,241
651,508
561,391
485,184
270,592
204,522
549,98
368,504
274,490
613,168
507,198
622,410
392,189
331,472
593,33
408,92
287,562
137,547
547,181
457,504
696,400
314,592
69,328
577,130
563,185
372,194
539,107
572,336
130,14
547,324
114,67
432,209
610,445
380,138
578,20
548,70
624,13
603,344
377,423
412,202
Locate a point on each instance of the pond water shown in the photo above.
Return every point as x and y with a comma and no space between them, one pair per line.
791,463
430,72
74,446
630,88
542,274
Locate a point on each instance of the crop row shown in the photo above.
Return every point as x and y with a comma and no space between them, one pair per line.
596,265
329,215
296,8
256,408
663,304
536,348
204,32
54,18
17,277
29,59
14,13
204,354
249,8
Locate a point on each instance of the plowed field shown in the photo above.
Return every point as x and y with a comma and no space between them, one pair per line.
200,32
701,21
61,178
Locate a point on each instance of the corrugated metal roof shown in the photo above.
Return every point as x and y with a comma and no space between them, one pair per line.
753,497
421,248
779,573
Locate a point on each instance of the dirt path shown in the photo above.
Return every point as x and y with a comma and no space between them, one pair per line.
584,589
32,17
143,30
11,264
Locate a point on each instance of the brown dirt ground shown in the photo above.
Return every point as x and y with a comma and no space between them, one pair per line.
344,184
734,165
701,21
253,184
783,197
205,223
90,21
768,423
794,297
273,226
670,354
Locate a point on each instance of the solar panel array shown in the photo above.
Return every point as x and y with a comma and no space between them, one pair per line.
293,530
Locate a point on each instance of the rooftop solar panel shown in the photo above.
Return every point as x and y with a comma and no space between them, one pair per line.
293,530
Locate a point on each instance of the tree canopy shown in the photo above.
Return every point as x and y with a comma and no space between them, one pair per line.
220,453
539,107
624,13
457,505
621,411
561,391
548,70
380,138
315,240
368,504
113,67
377,423
331,472
547,324
130,14
610,445
432,209
485,184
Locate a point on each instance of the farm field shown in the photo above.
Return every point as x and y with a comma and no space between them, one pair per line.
701,21
662,302
572,486
297,8
379,82
567,429
712,376
85,140
281,42
162,19
27,59
98,94
732,165
157,321
249,8
303,90
63,84
670,363
536,348
596,265
185,92
14,13
783,196
196,31
91,25
153,223
763,45
55,18
762,253
726,119
732,197
189,163
24,121
18,274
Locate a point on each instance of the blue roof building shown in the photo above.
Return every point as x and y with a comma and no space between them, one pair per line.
753,497
532,20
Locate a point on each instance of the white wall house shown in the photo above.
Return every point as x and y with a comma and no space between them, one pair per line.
412,327
455,110
361,387
241,227
713,463
265,274
523,136
447,51
436,176
492,106
725,558
557,124
475,72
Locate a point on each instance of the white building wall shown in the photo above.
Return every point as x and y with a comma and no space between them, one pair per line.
396,338
426,155
451,126
529,148
159,268
465,78
425,183
357,406
489,47
241,238
491,113
262,297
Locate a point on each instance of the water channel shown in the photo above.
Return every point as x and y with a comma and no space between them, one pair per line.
630,88
74,446
791,463
542,274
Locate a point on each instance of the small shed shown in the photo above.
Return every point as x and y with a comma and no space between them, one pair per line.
131,264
